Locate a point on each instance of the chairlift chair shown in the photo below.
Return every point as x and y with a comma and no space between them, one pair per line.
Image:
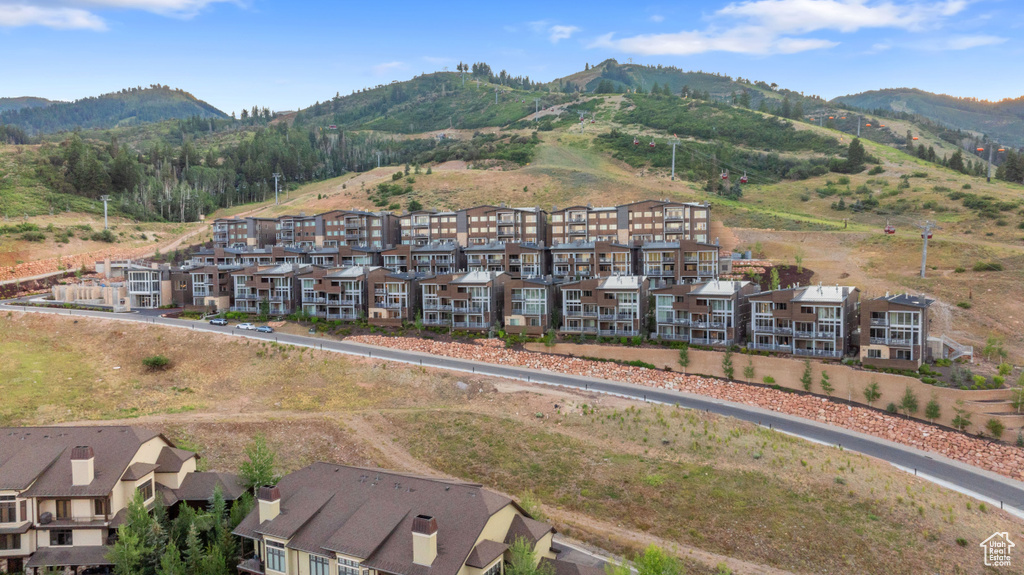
889,228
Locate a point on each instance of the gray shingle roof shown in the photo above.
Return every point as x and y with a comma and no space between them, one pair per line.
485,553
68,556
137,471
43,455
371,512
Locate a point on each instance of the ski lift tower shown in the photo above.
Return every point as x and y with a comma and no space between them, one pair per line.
674,143
105,199
276,176
926,234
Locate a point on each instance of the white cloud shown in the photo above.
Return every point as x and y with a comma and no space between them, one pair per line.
657,18
780,26
385,67
556,33
81,14
18,15
968,42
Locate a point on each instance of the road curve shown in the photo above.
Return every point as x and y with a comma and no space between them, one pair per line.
975,481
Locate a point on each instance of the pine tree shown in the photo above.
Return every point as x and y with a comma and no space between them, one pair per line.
909,402
805,379
684,357
193,554
826,385
170,562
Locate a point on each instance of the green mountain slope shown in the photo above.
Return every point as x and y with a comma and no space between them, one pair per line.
435,101
1002,121
127,107
7,104
636,76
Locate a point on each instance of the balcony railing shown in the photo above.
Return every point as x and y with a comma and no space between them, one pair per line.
435,306
771,347
246,296
673,321
579,329
470,324
710,341
244,309
388,305
344,316
894,341
619,316
814,335
673,336
580,313
708,324
817,353
659,272
436,321
879,321
619,332
771,329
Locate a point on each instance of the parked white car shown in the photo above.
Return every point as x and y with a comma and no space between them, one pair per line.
248,326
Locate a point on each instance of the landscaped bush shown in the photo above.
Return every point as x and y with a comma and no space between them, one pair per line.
156,362
964,305
769,380
988,267
103,236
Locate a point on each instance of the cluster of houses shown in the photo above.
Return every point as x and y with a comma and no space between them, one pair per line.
64,492
645,269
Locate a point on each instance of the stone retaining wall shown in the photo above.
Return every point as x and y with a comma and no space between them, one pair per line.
996,457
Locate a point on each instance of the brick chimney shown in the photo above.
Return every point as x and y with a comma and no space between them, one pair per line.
270,502
424,540
83,469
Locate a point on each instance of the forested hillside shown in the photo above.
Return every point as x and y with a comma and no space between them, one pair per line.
7,104
1002,121
127,107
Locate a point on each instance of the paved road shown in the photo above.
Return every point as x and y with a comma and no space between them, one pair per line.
978,482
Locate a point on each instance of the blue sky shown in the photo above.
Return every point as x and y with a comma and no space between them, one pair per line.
285,55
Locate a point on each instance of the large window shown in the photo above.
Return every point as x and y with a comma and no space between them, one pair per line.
147,490
7,509
348,567
9,542
61,537
319,565
494,569
100,506
275,556
63,508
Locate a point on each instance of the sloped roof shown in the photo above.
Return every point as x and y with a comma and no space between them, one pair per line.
526,528
43,455
137,471
485,553
371,511
70,556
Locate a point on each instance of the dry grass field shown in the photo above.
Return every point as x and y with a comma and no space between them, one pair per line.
610,472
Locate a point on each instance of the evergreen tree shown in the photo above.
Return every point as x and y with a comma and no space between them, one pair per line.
826,385
170,562
932,411
805,379
855,155
193,554
909,402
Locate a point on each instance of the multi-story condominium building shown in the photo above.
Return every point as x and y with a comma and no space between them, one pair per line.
251,232
297,230
335,294
392,297
811,321
397,258
584,224
488,257
265,256
530,303
206,286
632,224
327,519
426,226
148,287
466,301
275,285
438,258
516,259
357,228
714,313
894,331
64,490
614,306
669,263
591,259
483,224
655,221
344,256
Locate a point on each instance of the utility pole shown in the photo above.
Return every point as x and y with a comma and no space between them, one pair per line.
105,200
860,122
926,231
276,176
988,178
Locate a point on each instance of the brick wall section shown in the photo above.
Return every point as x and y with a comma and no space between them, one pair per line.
996,457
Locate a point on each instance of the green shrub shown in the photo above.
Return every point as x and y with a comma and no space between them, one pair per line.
979,381
959,270
964,305
103,236
769,380
995,427
998,380
876,170
156,362
891,408
33,236
988,267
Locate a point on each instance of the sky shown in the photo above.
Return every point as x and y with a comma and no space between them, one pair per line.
286,55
